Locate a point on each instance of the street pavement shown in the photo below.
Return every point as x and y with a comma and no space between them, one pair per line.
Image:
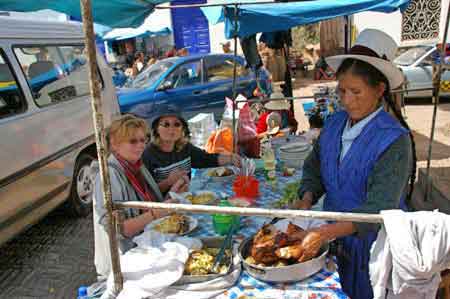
49,260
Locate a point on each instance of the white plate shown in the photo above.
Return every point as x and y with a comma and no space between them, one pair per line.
193,223
295,147
221,178
196,193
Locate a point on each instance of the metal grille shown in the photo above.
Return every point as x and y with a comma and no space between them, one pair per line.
421,20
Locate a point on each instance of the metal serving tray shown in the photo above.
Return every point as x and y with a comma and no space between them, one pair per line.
211,242
291,273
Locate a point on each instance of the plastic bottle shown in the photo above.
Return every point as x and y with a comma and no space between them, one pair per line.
82,293
270,163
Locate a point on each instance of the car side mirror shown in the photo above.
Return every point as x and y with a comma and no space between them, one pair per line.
165,86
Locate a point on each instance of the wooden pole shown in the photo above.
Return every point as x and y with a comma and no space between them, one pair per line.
94,86
436,88
203,209
235,141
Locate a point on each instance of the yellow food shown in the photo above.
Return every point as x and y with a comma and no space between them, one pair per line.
174,224
201,198
200,262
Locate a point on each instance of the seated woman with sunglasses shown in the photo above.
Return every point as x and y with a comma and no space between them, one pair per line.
170,155
130,181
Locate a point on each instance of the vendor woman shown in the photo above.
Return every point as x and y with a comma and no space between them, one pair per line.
364,160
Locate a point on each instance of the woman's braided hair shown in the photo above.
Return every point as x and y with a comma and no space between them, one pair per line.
374,77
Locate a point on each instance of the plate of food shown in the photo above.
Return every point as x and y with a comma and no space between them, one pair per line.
198,267
177,224
200,197
222,173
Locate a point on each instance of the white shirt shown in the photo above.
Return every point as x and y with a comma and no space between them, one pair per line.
352,132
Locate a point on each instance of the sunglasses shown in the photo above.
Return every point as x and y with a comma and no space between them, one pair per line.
167,124
134,141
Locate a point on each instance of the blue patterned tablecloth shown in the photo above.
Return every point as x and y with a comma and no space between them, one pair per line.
324,284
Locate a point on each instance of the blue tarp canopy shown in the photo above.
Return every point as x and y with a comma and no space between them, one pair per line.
252,18
282,16
157,24
112,13
121,34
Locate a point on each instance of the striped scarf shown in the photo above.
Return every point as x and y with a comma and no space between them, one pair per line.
134,175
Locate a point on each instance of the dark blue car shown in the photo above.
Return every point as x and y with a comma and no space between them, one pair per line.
197,83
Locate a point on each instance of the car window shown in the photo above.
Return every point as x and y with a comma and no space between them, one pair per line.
221,68
187,74
55,73
430,58
150,75
411,56
12,100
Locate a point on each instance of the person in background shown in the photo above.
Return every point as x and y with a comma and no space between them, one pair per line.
226,47
322,70
315,125
283,108
364,160
138,64
130,181
171,53
170,155
183,52
152,61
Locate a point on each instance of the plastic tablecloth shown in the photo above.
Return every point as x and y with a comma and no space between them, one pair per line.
324,284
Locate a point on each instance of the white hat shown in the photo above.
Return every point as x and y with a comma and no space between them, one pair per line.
277,105
376,48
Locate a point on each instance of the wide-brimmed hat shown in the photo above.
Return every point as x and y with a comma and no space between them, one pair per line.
377,49
277,105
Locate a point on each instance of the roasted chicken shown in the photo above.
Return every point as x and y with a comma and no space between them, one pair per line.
266,241
271,246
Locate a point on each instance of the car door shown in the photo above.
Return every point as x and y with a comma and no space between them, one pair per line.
184,87
219,78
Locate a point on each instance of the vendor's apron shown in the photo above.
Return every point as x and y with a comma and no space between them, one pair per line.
346,189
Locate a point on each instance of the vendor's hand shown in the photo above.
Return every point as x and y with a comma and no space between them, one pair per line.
174,176
311,245
304,204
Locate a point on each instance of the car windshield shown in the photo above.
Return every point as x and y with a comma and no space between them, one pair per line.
150,75
410,56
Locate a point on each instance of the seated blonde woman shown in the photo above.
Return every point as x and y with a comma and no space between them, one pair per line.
130,181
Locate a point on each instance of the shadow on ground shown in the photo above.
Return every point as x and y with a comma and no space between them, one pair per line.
439,150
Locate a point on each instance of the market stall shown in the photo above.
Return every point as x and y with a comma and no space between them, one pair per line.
202,209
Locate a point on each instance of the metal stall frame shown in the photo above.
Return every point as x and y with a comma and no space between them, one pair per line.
111,207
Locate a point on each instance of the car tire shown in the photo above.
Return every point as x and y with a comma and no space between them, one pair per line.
79,203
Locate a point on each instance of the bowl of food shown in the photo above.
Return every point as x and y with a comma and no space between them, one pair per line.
198,267
272,256
223,173
177,224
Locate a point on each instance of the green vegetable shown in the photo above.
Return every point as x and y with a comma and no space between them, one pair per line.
289,195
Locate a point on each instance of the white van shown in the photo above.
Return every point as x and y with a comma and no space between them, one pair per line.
46,130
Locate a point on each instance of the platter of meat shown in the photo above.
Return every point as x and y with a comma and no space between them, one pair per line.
276,256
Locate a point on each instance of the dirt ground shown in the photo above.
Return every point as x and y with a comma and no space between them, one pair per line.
418,114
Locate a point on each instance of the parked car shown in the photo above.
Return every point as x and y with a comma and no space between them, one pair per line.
197,83
46,128
416,64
